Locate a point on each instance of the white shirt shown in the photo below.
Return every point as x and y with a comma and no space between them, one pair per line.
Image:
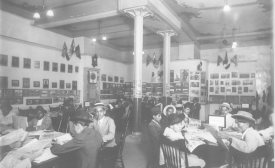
100,122
245,132
229,121
39,122
6,120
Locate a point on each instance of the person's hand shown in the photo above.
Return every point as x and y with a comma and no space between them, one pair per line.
223,135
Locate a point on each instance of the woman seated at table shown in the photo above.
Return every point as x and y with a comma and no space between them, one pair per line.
170,109
173,133
42,121
6,113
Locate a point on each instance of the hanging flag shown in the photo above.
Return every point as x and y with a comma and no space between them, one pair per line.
71,49
77,52
219,60
94,60
161,59
227,66
225,61
149,59
234,60
64,50
155,62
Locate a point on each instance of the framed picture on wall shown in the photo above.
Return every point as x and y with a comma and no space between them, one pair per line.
103,77
62,68
36,83
54,84
110,78
15,61
3,82
76,69
26,82
46,66
70,69
68,85
116,79
92,76
15,83
3,60
74,85
121,79
55,67
45,83
27,63
37,64
61,84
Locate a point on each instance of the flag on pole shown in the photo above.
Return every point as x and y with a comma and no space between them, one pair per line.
155,62
77,52
64,50
148,60
225,61
161,59
70,53
219,60
227,66
234,60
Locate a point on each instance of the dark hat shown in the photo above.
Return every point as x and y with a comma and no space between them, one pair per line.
6,105
174,119
155,110
40,108
188,105
82,115
99,104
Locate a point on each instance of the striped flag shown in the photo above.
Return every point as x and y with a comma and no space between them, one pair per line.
219,60
234,60
70,53
225,61
64,50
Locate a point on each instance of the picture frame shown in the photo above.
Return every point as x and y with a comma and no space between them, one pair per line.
110,78
46,66
55,67
37,64
68,85
36,84
26,82
54,84
121,80
3,60
103,77
74,85
45,83
3,82
92,76
61,84
116,79
70,69
27,63
62,68
15,61
15,83
76,69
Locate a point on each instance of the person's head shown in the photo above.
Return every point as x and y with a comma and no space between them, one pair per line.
187,108
67,103
6,108
156,113
81,120
225,108
179,108
40,112
99,110
169,110
195,100
244,120
176,123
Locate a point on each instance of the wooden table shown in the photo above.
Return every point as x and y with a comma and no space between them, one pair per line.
51,163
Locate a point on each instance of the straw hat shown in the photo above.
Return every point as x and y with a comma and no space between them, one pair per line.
99,104
244,115
226,105
169,106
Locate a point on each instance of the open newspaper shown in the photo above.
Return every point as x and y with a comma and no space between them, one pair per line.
14,136
63,139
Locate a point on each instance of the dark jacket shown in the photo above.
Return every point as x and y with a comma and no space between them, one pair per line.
86,147
195,111
155,131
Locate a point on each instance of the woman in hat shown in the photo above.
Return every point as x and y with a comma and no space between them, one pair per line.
250,139
6,113
166,112
173,133
225,110
41,121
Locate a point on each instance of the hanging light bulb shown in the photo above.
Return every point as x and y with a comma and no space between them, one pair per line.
36,15
50,13
94,39
226,7
104,38
234,44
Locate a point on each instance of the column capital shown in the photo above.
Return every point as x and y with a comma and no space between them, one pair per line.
138,11
167,33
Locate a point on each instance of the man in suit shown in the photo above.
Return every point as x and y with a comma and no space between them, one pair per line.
104,124
250,139
155,131
84,146
195,111
41,122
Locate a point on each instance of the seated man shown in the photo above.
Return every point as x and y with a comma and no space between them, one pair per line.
42,121
105,125
6,113
85,144
186,111
166,112
226,109
268,133
173,133
250,140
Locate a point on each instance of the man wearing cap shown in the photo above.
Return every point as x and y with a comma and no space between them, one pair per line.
225,110
169,109
104,124
250,139
85,145
155,130
41,121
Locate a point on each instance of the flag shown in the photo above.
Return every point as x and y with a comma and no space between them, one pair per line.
77,52
70,53
234,60
225,61
219,60
149,59
227,66
64,50
161,59
155,62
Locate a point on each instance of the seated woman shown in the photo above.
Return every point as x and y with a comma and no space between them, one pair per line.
42,121
170,109
173,133
6,113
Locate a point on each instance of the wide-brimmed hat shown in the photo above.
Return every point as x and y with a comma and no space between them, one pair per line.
188,105
244,115
169,106
226,105
155,111
99,104
82,115
174,119
40,108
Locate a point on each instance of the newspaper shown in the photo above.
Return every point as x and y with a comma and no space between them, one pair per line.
63,139
194,123
17,135
13,161
47,154
193,144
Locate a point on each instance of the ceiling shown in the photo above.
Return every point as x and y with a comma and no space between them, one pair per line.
206,20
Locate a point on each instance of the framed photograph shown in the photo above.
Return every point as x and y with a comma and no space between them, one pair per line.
222,89
234,89
70,69
45,83
234,75
225,75
27,63
92,76
55,67
62,68
15,61
36,84
3,60
54,84
15,83
26,82
74,85
37,64
121,79
252,75
110,78
76,69
116,79
68,85
244,75
214,76
61,84
103,77
46,66
3,82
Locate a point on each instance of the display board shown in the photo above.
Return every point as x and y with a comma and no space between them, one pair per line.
112,91
233,99
216,99
247,100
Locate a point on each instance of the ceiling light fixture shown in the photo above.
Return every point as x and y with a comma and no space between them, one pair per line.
50,13
99,35
36,15
234,44
226,7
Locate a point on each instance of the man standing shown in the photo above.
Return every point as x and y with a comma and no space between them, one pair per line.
196,109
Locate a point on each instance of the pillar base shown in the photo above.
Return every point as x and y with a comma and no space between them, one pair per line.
134,137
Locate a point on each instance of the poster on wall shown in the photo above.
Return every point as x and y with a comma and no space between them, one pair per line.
61,84
74,85
93,76
184,75
103,77
15,61
121,80
3,60
45,83
27,63
116,79
26,82
37,64
15,83
110,78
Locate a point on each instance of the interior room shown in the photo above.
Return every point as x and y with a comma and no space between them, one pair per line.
136,84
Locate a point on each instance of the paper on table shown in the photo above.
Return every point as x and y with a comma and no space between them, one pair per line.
47,154
64,138
34,146
12,137
192,144
207,136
